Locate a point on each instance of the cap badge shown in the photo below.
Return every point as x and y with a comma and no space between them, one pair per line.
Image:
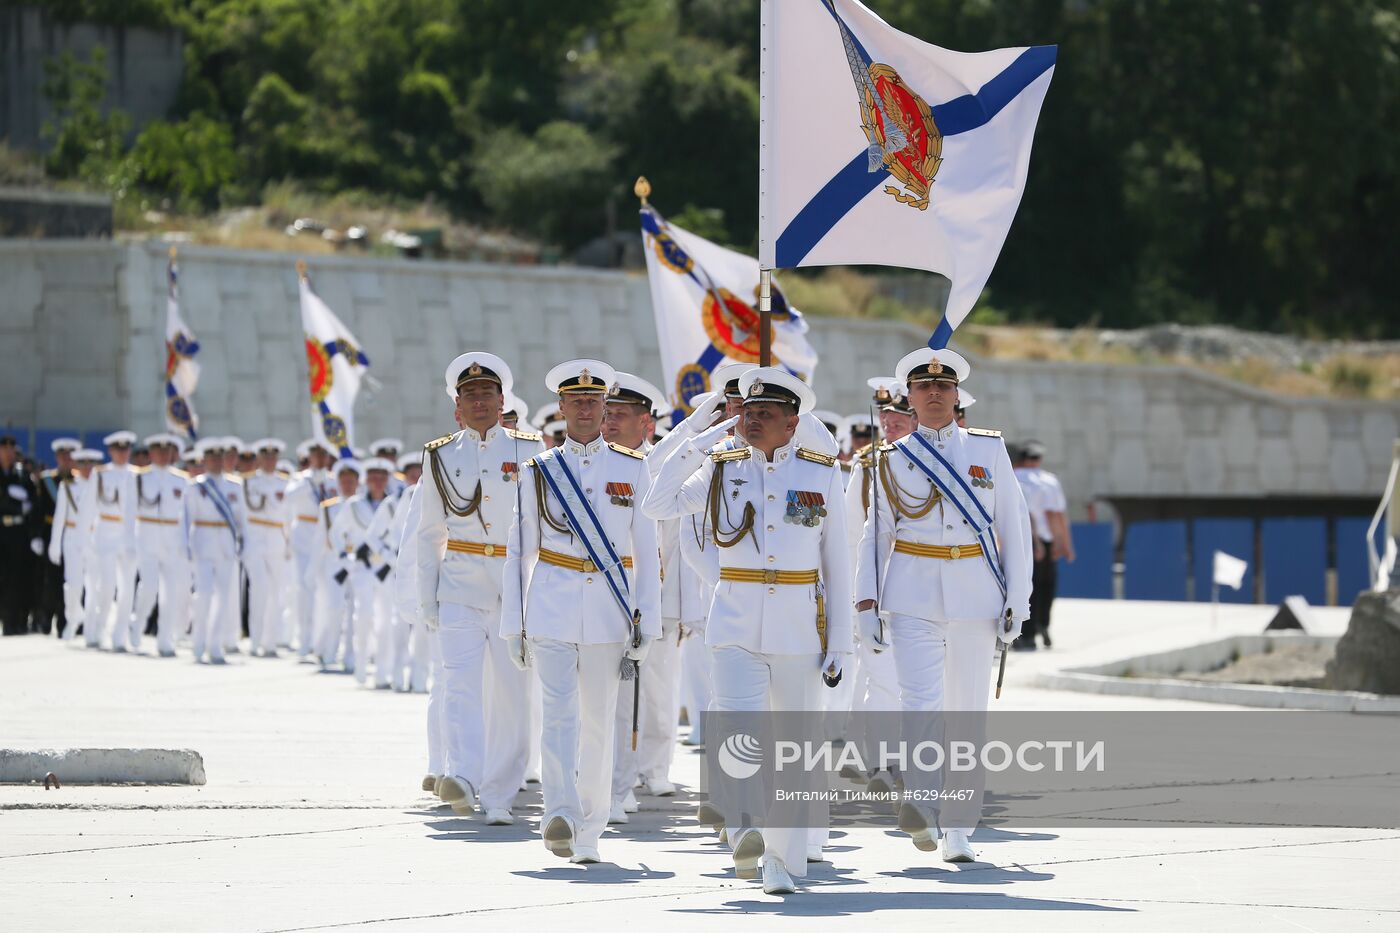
474,369
585,378
756,388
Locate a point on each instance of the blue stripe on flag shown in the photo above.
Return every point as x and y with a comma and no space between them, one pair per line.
941,334
853,182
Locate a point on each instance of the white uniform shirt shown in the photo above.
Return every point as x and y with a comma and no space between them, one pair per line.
208,533
305,493
353,525
112,490
160,507
572,605
949,590
70,522
769,618
459,466
268,510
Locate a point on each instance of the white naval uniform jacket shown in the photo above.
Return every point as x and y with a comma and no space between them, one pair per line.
267,511
351,527
779,618
949,590
70,522
160,508
459,465
206,529
112,493
305,493
572,605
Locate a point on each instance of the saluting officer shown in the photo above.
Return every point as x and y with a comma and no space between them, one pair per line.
468,495
582,599
954,559
774,510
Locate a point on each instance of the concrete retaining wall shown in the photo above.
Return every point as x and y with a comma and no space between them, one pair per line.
82,332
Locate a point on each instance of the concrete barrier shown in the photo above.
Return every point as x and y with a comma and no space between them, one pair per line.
102,765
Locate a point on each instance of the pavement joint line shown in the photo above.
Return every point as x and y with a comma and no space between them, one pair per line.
207,839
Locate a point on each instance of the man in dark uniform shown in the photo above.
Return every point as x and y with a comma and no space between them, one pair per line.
17,498
48,578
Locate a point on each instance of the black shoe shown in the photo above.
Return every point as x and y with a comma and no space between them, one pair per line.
1045,638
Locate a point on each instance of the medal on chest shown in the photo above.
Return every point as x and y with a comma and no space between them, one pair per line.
510,472
981,476
620,494
805,508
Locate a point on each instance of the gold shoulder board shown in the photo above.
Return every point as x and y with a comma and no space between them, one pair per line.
628,451
180,473
327,503
724,456
983,432
237,479
435,444
863,450
524,435
283,474
141,471
824,459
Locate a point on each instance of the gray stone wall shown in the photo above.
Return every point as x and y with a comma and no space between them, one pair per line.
82,333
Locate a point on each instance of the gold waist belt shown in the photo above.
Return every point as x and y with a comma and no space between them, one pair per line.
202,523
790,577
308,518
568,562
264,521
938,551
110,518
153,520
481,550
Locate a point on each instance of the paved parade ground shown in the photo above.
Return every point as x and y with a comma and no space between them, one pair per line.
311,819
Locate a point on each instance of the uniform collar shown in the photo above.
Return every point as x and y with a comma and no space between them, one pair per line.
781,455
592,447
471,435
943,434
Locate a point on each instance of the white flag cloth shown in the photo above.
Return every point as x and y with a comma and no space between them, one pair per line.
876,147
705,299
181,370
1229,570
335,366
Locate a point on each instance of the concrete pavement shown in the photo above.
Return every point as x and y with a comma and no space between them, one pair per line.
312,819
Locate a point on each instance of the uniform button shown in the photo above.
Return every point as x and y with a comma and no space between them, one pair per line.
585,463
771,590
485,498
770,527
771,559
770,469
588,580
950,527
771,498
589,491
488,524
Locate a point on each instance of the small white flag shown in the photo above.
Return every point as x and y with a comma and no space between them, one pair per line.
876,147
1229,570
335,367
181,370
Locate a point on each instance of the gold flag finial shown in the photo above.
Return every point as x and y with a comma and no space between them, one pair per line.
301,269
642,189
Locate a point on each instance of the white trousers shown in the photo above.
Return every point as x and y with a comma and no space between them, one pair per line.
578,690
485,716
371,616
696,689
112,581
437,754
215,601
306,582
657,711
943,667
265,565
74,571
232,631
335,607
747,681
165,578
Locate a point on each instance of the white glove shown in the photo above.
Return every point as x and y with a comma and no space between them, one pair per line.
713,436
37,546
1008,635
519,651
55,555
429,615
705,407
833,664
18,493
868,621
638,653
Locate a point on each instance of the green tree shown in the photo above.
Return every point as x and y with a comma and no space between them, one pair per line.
83,141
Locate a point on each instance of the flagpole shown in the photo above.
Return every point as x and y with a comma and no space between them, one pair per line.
765,317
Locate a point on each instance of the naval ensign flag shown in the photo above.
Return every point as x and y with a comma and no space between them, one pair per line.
876,147
181,369
335,366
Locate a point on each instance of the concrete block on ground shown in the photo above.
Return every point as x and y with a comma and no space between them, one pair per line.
102,765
